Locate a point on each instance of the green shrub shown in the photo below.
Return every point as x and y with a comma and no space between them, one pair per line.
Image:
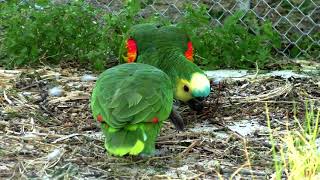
52,33
48,33
120,23
231,45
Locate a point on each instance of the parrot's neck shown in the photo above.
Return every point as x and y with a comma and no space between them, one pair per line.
177,66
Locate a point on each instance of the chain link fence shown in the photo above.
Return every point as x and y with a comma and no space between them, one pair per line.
297,21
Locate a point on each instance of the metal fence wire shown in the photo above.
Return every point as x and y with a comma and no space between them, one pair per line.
297,21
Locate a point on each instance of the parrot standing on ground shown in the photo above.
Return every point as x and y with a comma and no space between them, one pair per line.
131,102
169,49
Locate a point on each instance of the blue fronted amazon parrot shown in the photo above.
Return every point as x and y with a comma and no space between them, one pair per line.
169,49
131,102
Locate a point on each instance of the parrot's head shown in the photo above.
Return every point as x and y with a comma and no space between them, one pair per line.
196,86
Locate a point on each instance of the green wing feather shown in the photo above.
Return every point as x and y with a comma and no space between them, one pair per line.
143,34
152,36
128,96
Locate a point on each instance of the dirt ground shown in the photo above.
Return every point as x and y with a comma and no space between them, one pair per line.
48,137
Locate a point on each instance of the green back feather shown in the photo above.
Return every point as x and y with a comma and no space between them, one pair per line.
128,96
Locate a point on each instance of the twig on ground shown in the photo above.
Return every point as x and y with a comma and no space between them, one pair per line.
65,137
6,98
192,145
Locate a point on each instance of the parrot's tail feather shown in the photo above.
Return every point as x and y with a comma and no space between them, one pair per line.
125,141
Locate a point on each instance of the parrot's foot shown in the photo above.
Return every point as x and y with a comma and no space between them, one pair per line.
176,119
176,103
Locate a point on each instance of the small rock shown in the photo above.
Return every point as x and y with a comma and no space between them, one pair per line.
26,93
54,154
56,91
88,77
29,147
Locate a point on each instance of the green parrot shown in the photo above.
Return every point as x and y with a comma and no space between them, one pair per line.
131,102
169,49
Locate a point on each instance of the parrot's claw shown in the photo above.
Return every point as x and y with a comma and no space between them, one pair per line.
176,103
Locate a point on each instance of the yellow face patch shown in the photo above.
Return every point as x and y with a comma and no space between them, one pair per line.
199,86
181,93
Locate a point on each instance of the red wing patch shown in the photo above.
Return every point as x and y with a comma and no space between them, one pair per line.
155,120
99,118
189,52
131,50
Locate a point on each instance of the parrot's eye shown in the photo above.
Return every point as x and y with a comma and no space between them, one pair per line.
186,88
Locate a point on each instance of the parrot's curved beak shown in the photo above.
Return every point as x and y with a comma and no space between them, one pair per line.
196,103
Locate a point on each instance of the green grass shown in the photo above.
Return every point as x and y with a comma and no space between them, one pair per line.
298,156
